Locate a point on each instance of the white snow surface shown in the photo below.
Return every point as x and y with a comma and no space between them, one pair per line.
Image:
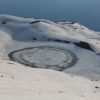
20,82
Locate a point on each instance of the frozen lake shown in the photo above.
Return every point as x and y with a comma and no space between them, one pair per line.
86,12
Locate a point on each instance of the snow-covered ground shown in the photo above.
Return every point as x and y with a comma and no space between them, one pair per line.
66,46
21,83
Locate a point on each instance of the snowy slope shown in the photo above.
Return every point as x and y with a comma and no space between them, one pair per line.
64,46
18,33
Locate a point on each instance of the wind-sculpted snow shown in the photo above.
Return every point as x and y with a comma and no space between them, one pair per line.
78,46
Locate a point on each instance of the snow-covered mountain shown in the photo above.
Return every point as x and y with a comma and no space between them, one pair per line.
38,43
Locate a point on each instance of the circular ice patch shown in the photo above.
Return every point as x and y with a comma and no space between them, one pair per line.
44,57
